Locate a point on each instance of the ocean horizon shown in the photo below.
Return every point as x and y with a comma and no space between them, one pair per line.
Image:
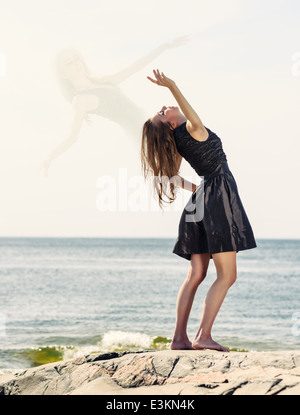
62,297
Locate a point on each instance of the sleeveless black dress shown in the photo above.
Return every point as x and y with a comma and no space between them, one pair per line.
214,219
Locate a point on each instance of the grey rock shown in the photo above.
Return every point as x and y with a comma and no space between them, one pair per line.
162,372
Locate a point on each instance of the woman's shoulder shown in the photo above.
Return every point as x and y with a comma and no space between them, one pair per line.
181,131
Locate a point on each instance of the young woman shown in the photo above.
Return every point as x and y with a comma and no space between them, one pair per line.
98,95
221,232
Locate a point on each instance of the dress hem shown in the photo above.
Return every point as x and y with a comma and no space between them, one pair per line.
187,255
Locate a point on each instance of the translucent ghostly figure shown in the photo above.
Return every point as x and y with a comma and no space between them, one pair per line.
103,96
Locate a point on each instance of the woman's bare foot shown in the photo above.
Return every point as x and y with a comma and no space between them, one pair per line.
181,345
208,343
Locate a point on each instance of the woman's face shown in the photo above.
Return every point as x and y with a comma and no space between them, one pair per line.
71,65
170,115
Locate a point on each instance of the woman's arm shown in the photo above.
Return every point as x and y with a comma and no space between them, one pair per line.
141,63
78,113
194,124
180,181
185,184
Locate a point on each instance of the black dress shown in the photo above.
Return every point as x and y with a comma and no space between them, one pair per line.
214,219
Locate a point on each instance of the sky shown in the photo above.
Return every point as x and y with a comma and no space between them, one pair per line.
240,70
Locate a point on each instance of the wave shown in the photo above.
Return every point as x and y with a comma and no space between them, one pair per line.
111,341
63,348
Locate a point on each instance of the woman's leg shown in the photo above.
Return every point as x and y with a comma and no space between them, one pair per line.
186,294
225,263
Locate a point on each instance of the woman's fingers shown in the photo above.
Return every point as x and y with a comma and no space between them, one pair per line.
157,73
161,79
152,80
158,76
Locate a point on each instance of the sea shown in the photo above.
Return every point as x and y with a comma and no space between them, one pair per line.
65,297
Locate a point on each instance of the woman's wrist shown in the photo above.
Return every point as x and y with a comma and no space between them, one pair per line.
173,87
194,187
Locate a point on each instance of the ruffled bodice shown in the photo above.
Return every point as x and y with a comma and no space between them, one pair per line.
203,156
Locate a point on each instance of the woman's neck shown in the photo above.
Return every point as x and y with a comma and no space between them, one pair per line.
182,119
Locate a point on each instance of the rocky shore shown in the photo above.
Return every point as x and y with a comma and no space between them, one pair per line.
162,372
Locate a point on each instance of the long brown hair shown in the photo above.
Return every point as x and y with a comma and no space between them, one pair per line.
159,158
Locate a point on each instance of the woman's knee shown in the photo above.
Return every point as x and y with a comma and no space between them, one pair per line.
198,268
225,263
227,279
232,279
196,276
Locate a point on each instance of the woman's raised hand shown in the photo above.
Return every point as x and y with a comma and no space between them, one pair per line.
161,79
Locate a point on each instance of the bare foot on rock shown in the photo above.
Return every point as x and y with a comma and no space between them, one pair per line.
181,345
208,343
